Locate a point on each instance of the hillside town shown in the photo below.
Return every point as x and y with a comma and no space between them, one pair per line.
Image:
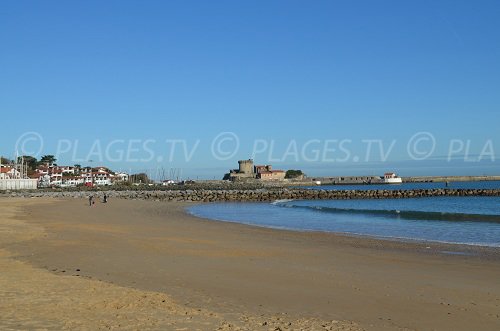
26,172
73,176
29,173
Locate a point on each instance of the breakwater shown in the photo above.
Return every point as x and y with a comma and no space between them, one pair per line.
254,195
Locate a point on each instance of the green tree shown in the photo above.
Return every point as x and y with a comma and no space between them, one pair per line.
4,160
30,161
290,174
48,159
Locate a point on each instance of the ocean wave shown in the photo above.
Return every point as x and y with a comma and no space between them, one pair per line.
414,215
282,201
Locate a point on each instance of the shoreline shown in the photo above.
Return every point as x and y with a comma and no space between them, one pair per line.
403,240
404,244
239,272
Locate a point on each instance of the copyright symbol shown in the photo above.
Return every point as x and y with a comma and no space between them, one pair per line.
421,145
225,145
29,143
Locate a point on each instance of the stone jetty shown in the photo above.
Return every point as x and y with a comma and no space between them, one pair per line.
225,195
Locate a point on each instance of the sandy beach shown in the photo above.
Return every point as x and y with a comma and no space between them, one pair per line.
150,265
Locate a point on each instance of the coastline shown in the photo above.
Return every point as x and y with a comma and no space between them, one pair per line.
377,242
236,271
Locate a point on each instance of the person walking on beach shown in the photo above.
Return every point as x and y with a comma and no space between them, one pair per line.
91,198
105,198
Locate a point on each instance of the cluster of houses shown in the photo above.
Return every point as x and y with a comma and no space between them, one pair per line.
15,178
71,176
9,173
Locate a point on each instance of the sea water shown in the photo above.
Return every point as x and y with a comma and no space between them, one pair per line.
461,220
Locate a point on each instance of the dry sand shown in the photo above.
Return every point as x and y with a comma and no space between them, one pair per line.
148,265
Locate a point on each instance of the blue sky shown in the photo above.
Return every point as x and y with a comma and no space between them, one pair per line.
117,82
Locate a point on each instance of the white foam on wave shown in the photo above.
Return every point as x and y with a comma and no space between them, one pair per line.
277,202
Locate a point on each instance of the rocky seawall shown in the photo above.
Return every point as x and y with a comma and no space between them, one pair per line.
254,195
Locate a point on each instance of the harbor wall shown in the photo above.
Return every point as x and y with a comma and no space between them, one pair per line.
424,179
255,195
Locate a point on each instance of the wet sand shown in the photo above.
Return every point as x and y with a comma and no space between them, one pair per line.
149,265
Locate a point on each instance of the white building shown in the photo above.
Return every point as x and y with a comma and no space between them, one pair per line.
121,177
43,180
72,181
66,169
12,179
9,173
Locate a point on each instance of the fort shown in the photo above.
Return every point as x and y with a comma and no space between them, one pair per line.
248,171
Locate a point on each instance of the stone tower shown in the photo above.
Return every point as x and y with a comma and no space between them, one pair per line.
246,166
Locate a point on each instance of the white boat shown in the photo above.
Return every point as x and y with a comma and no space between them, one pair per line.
392,178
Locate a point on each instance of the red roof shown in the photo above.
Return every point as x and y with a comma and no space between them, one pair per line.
5,170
